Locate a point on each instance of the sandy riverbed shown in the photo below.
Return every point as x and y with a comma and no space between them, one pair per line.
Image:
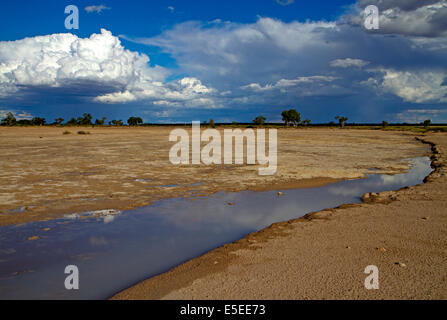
45,174
324,255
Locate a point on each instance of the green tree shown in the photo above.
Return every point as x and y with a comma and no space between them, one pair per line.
384,124
9,120
285,117
294,117
342,121
291,116
427,123
260,120
212,124
72,122
85,120
36,121
134,121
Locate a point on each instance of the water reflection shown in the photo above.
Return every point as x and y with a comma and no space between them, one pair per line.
420,167
114,249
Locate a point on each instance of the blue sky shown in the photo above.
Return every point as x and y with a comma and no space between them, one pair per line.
178,61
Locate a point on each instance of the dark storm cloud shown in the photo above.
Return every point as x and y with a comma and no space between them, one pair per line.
406,17
439,19
271,63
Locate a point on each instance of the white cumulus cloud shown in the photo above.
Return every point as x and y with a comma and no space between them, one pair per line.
412,86
99,62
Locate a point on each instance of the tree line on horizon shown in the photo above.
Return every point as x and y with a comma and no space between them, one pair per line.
290,117
85,120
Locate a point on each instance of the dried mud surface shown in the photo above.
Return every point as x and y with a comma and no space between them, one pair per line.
45,174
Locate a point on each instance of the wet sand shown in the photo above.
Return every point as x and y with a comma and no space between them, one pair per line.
45,174
324,255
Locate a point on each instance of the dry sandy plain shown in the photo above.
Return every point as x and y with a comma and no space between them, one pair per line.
323,255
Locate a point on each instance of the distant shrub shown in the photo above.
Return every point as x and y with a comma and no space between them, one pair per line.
305,122
83,132
100,122
260,120
66,132
341,121
134,121
117,123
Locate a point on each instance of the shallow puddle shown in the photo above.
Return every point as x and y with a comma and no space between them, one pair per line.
114,250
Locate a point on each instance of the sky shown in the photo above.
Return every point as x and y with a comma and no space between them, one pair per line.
179,61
